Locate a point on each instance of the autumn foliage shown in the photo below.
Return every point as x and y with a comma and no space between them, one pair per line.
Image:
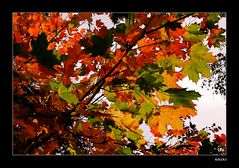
82,87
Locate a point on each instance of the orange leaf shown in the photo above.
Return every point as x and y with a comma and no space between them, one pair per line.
169,116
124,120
51,46
177,33
170,80
15,18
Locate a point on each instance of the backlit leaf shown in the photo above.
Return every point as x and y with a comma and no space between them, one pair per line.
169,115
125,150
162,96
169,80
66,94
124,120
181,97
198,63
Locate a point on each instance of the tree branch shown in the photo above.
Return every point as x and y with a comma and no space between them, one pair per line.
101,82
98,85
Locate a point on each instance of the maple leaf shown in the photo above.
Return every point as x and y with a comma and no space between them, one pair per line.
99,45
124,120
162,96
169,115
149,78
167,62
198,63
44,56
177,33
220,139
181,97
194,34
177,48
216,37
135,75
169,80
64,92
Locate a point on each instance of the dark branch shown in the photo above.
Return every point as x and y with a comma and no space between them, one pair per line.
98,85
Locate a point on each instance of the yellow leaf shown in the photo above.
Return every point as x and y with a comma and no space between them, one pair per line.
141,142
124,120
162,96
170,116
71,150
163,34
169,80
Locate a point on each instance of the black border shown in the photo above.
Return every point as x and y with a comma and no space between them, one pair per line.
8,7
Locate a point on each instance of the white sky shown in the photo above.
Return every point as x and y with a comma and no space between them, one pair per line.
211,108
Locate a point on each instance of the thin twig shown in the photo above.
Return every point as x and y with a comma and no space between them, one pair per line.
98,85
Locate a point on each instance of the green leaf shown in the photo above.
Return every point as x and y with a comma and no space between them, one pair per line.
110,95
182,97
189,70
145,109
214,16
194,34
202,133
57,54
117,133
199,51
75,22
172,61
125,150
150,78
120,28
194,29
123,106
194,68
54,85
69,97
132,136
79,127
94,120
182,92
193,37
198,63
66,94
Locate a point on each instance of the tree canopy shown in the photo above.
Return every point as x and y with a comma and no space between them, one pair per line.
81,87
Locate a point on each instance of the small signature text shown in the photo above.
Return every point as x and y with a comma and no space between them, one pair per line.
220,159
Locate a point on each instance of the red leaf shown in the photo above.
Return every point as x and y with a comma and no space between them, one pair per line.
99,23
